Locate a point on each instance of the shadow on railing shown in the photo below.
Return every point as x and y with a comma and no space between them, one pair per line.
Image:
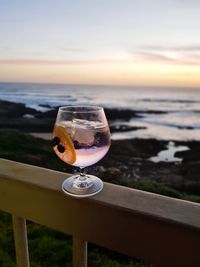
160,230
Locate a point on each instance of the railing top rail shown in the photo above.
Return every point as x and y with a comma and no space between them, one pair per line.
118,197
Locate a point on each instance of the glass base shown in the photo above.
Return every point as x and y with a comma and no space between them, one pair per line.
78,187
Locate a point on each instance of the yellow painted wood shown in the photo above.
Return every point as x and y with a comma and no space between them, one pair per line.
79,252
21,244
158,229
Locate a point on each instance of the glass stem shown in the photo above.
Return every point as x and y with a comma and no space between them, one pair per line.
82,174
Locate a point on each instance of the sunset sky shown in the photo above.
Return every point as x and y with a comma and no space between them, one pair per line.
130,42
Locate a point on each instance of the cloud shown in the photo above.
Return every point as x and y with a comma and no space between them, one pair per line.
180,55
149,56
188,48
174,55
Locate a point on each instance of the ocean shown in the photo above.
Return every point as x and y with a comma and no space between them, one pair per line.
165,113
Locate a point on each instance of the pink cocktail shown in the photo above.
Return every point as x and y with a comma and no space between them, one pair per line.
81,137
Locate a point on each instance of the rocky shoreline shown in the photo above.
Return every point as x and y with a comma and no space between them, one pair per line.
18,116
128,161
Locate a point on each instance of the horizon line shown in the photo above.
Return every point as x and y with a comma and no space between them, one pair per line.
156,86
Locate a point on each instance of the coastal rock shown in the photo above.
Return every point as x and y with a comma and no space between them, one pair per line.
14,110
192,154
112,173
191,170
128,162
116,114
152,112
18,116
50,114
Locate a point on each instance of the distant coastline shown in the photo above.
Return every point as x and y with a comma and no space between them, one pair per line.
132,86
167,114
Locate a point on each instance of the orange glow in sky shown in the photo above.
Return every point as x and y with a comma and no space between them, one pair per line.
139,73
101,42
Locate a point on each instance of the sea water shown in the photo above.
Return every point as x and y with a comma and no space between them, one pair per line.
164,113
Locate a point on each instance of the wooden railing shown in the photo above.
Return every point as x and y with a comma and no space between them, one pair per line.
162,231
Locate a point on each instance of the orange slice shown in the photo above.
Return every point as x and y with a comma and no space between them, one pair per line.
69,155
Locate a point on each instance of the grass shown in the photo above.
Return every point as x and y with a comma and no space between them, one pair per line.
51,248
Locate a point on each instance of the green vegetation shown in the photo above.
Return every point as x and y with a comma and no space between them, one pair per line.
155,187
51,248
16,145
158,188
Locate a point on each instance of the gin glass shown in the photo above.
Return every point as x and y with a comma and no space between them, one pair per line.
81,137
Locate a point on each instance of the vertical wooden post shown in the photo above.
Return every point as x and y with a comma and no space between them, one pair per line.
79,252
21,243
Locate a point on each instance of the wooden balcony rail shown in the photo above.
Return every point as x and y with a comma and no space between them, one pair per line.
162,231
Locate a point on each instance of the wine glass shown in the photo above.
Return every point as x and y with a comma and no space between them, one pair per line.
81,137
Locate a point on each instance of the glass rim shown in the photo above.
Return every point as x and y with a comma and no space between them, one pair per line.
72,108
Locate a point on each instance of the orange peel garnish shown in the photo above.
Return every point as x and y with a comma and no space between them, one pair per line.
69,154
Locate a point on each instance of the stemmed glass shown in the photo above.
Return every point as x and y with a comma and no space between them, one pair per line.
81,137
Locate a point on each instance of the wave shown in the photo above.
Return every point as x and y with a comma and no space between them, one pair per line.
186,101
161,112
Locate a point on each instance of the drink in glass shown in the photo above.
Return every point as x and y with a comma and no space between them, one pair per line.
81,137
